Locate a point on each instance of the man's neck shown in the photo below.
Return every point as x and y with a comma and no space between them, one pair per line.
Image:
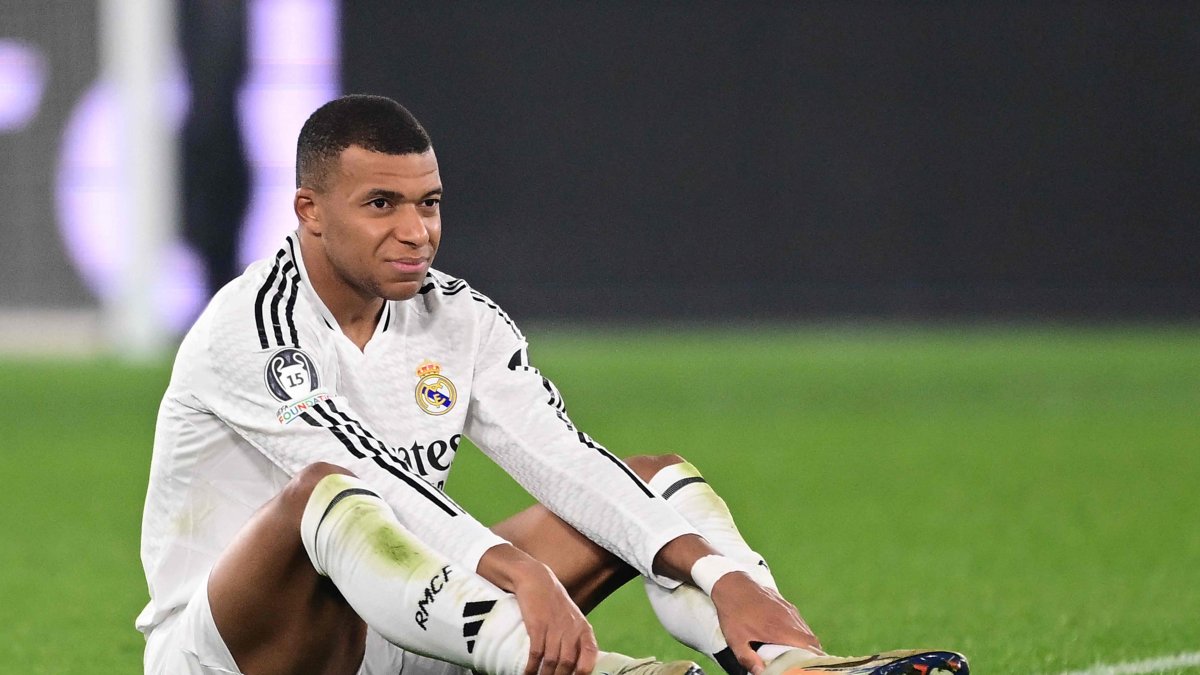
357,314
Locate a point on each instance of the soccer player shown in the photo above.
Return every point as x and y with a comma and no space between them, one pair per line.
295,520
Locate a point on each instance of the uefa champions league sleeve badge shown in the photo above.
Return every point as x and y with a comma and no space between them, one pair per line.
291,374
291,377
435,392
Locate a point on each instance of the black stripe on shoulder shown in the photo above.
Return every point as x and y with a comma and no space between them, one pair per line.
450,287
289,317
259,310
520,361
429,285
453,287
292,249
280,292
486,301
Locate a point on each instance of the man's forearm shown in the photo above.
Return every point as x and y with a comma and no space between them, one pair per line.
675,560
508,567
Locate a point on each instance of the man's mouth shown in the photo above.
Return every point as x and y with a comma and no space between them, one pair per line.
410,265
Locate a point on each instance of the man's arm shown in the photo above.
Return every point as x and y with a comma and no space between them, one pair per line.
518,418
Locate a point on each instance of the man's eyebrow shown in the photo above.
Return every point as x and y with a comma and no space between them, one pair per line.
390,195
394,196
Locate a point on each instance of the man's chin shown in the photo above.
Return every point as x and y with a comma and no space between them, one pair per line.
401,290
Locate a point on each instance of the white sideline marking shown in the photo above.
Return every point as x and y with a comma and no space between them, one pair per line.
1156,665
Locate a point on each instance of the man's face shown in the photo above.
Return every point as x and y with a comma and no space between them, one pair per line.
378,220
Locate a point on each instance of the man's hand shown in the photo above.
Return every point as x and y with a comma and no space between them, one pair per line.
561,641
749,613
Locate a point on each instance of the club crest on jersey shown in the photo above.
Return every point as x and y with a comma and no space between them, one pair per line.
435,392
291,374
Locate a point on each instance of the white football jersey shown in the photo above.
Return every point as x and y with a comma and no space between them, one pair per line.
266,383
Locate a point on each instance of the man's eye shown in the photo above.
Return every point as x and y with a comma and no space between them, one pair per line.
379,203
431,202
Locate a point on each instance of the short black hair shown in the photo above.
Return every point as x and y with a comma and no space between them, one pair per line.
375,123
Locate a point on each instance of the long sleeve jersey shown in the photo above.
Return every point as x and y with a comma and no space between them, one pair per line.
265,383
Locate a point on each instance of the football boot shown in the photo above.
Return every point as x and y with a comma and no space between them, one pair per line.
901,662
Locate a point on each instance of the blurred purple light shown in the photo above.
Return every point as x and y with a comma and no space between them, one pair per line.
288,78
22,81
91,201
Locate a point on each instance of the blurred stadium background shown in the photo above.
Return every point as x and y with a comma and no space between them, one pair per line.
917,284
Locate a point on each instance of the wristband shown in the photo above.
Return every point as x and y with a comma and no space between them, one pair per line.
710,568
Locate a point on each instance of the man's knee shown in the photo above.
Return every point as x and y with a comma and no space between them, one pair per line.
645,466
296,493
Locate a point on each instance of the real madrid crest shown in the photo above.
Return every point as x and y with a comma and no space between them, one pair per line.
435,392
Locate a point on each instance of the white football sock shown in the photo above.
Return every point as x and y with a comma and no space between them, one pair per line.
686,612
408,592
693,498
404,589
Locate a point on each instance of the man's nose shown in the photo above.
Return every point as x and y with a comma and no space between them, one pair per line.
410,226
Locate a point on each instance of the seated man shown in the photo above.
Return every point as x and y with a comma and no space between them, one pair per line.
295,521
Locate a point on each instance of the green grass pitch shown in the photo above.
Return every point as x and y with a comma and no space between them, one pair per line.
1030,496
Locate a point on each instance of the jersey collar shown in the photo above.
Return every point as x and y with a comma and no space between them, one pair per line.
292,252
291,247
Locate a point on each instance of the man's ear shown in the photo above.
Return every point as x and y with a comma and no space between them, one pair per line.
308,213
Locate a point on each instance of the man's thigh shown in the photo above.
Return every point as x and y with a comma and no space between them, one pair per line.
277,615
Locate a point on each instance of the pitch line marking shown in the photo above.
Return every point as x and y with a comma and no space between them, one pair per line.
1159,664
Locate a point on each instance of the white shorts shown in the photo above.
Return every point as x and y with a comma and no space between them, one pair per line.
187,643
